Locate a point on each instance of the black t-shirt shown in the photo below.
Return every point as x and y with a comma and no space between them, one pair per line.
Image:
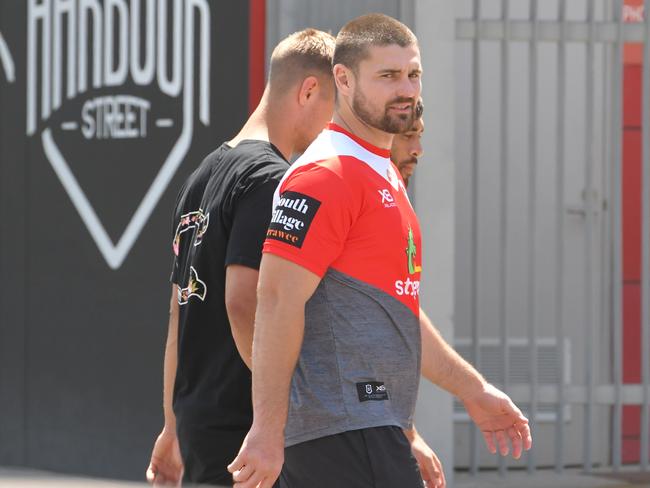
221,217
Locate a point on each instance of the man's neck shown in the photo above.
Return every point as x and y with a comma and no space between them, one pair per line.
265,125
346,118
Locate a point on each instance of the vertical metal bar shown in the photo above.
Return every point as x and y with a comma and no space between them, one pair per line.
589,221
532,219
476,357
605,203
559,237
503,255
617,229
645,254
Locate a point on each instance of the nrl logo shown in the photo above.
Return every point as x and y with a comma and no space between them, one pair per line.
113,88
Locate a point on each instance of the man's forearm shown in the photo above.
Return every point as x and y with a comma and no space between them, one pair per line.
170,364
241,301
279,329
443,366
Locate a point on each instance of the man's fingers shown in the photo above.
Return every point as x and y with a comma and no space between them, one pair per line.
489,441
503,442
268,481
515,440
151,474
524,432
252,482
243,474
440,482
237,463
429,472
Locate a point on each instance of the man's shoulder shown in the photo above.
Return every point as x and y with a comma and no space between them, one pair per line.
255,161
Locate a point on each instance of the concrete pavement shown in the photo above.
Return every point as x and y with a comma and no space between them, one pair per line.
27,478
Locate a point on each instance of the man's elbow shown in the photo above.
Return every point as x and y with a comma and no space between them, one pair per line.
241,312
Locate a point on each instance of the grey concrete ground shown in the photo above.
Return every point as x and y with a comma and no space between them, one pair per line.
548,478
23,478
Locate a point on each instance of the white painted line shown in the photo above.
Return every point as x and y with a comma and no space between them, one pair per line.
7,60
164,123
69,125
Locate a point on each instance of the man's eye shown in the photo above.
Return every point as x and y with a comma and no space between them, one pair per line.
414,75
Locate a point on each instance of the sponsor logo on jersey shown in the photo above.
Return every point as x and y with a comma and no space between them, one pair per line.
195,288
411,252
108,81
372,391
409,287
292,217
387,199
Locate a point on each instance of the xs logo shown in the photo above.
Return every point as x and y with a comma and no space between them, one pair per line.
386,196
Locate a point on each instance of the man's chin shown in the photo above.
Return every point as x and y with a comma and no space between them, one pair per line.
400,125
408,169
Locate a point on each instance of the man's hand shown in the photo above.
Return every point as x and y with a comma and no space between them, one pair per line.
429,464
166,466
499,418
259,461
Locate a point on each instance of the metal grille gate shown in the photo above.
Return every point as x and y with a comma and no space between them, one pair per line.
532,264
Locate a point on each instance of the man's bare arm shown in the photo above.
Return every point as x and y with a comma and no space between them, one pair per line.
171,362
492,410
284,288
166,466
241,301
443,366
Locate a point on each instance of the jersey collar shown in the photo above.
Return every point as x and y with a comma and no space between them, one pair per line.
384,153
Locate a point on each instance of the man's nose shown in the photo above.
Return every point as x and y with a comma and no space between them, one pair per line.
416,149
409,88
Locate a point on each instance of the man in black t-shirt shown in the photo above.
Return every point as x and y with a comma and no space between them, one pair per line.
220,221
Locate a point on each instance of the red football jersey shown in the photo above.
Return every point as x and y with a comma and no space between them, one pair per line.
343,205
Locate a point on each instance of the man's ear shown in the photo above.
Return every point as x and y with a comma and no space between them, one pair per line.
344,79
308,89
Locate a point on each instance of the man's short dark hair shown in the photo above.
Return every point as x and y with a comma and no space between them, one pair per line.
354,39
301,54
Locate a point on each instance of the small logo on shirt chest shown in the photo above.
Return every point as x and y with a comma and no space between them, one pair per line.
387,199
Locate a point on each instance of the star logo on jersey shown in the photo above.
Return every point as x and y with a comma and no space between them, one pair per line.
411,252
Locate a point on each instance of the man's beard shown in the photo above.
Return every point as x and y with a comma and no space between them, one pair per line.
406,162
384,122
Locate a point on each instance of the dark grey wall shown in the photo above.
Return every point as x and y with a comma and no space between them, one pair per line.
81,344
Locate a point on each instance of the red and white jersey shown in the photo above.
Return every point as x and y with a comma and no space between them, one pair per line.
343,205
342,212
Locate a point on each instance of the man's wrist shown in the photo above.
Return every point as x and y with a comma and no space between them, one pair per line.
410,433
268,428
471,388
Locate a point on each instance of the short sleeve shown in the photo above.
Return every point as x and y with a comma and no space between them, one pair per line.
175,245
311,219
251,217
